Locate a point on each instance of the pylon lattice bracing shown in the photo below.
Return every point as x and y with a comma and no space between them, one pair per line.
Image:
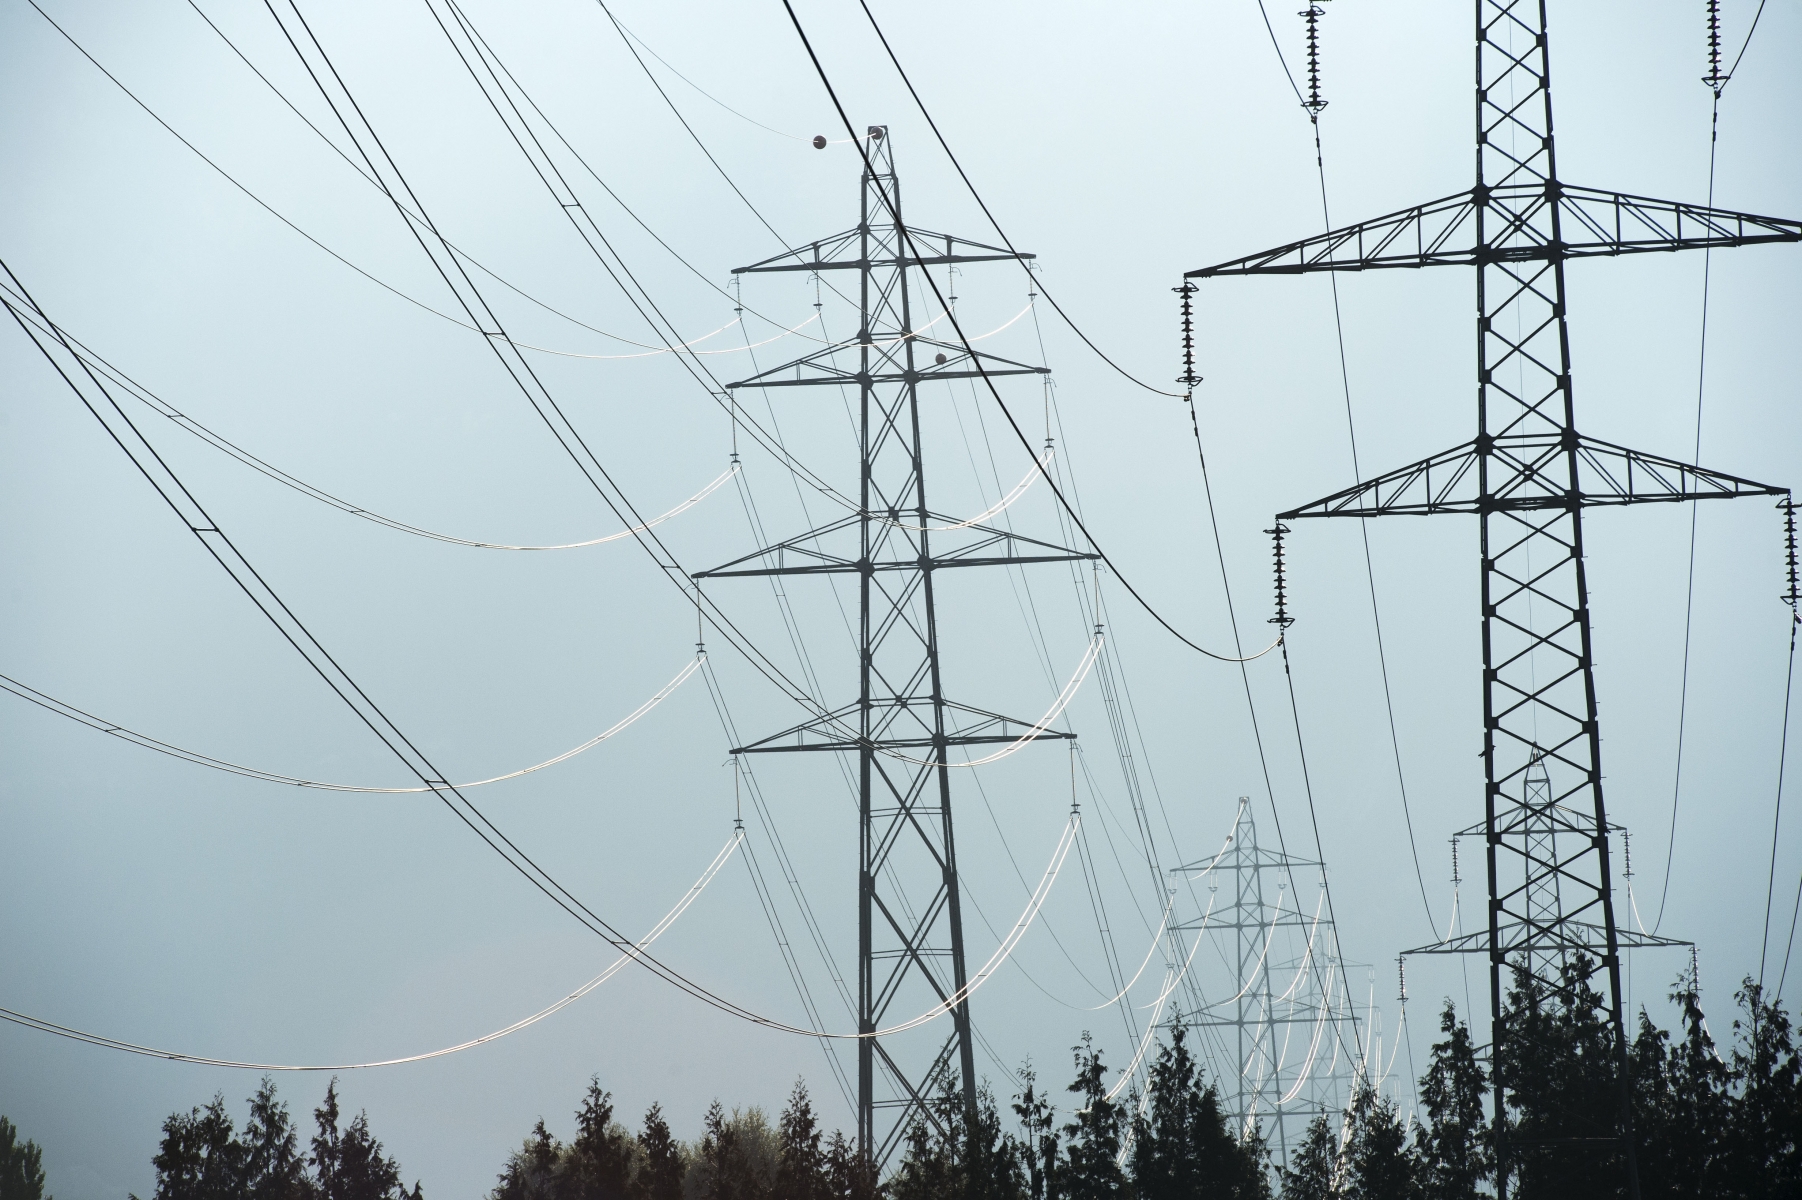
1527,475
902,726
1280,1042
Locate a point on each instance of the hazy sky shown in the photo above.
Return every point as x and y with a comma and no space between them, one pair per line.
158,902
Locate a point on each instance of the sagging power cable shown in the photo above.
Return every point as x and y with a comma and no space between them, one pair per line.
613,968
994,392
52,704
262,466
372,181
175,494
1716,81
977,196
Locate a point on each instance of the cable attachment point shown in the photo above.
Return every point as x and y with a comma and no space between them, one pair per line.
1313,104
1714,79
1188,378
1791,597
1282,620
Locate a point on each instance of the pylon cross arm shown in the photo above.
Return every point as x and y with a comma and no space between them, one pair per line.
1531,472
1514,228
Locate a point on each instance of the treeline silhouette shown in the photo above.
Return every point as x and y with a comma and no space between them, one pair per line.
1709,1121
203,1158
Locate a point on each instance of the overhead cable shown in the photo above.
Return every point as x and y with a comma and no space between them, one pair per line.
982,204
570,204
532,388
1717,85
1794,600
175,494
181,419
1370,575
416,219
1004,503
912,251
1034,731
370,179
637,948
1164,924
52,704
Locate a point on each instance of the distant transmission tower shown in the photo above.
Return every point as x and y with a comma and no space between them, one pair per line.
901,726
1527,476
1281,1039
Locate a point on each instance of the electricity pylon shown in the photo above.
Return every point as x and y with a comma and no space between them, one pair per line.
1284,1029
1527,476
901,727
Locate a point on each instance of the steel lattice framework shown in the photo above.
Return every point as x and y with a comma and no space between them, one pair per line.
1527,476
901,726
1289,1013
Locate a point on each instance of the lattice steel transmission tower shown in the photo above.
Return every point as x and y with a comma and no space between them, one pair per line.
901,727
1283,1042
1527,476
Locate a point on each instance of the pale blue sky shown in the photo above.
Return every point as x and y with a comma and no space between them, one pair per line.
153,901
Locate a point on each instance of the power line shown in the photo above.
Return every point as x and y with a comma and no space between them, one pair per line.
533,389
795,137
888,203
218,544
980,203
1793,599
1370,576
416,218
684,120
1689,592
554,180
1717,84
262,466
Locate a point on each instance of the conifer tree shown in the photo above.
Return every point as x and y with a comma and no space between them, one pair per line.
928,1169
1378,1164
737,1156
21,1166
1038,1136
1313,1171
531,1171
1681,1103
348,1164
273,1167
199,1158
1654,1122
991,1163
598,1163
1453,1143
800,1165
1090,1170
1559,1060
849,1175
717,1157
661,1176
1763,1147
1181,1146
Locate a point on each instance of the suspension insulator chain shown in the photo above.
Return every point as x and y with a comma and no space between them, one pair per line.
1188,378
1793,597
1313,104
1282,620
1714,79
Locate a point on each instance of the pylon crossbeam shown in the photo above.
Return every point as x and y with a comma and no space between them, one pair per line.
1442,232
1526,478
